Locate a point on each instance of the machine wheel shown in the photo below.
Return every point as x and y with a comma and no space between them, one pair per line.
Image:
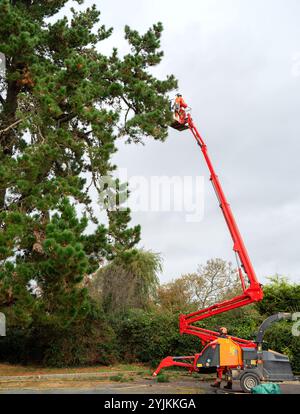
249,381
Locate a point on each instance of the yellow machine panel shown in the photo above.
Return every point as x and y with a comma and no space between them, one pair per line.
230,353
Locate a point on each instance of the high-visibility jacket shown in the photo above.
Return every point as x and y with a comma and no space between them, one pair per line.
179,102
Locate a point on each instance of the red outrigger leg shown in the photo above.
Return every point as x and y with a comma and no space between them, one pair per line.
252,290
175,361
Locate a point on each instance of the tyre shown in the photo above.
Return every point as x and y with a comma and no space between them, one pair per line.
249,381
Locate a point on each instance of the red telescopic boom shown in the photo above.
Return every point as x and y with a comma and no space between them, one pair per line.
252,290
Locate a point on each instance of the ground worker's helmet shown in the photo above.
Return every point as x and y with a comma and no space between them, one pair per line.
223,330
178,94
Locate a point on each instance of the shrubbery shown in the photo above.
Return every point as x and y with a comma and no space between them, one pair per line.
280,339
143,335
150,336
85,342
136,336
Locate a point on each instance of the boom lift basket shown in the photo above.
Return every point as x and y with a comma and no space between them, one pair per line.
179,126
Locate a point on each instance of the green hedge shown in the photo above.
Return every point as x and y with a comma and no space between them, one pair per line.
150,336
87,343
137,336
279,338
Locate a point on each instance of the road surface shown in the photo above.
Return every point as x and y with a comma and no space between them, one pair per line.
191,386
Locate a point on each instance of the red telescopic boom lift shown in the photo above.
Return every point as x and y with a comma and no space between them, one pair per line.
252,290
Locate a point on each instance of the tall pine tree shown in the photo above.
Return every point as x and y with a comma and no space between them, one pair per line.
63,106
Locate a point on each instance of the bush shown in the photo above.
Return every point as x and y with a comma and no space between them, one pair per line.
279,296
282,296
150,336
81,345
86,342
279,338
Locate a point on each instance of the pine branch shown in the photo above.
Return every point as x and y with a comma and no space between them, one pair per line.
128,104
65,118
2,131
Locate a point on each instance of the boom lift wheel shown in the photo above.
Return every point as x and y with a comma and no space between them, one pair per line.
249,381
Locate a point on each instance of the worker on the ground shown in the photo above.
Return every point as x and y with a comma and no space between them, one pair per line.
221,371
179,108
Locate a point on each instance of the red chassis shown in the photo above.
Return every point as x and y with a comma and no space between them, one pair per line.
252,290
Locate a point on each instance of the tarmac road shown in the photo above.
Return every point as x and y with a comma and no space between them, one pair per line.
142,387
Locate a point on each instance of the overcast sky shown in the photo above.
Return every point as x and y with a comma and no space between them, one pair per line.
238,66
